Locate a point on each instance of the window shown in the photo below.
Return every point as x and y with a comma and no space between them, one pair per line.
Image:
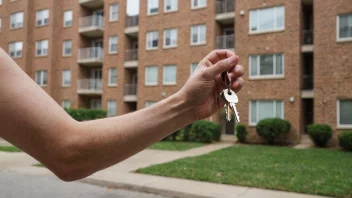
193,67
170,5
153,7
42,18
111,108
95,104
266,66
0,24
344,113
198,34
151,75
261,109
170,38
112,77
149,103
67,48
267,19
0,2
114,12
16,20
199,4
41,48
169,75
113,40
344,27
152,40
66,104
15,49
66,78
68,18
41,77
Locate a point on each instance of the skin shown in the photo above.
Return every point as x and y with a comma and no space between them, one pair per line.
31,120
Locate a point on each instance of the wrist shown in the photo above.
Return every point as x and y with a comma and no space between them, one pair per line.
178,103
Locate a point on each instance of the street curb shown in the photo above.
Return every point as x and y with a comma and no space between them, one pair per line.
139,188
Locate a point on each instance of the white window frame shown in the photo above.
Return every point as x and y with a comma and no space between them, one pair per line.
41,73
169,83
340,126
63,78
275,29
39,17
65,20
110,44
15,50
338,39
171,10
111,19
257,112
64,48
110,75
150,35
109,108
274,76
191,70
149,4
43,52
64,104
17,25
146,75
164,42
149,103
198,7
198,34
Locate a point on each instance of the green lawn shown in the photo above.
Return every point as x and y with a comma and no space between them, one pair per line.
38,165
312,171
11,149
175,146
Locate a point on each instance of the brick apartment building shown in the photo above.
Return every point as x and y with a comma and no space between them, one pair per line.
90,53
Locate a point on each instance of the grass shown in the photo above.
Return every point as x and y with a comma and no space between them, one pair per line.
11,149
311,171
175,146
38,165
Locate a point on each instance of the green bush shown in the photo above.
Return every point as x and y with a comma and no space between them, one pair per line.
320,134
271,128
86,114
241,132
204,131
345,140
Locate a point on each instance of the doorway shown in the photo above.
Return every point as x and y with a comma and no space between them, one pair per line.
308,113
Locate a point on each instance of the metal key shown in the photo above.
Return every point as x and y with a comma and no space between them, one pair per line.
230,97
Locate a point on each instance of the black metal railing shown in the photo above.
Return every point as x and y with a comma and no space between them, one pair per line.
225,42
307,37
132,21
308,82
131,55
224,6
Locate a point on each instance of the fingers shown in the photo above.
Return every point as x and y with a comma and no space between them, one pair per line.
222,66
238,84
236,72
218,55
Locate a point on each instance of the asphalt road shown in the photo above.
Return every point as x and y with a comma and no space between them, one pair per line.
23,186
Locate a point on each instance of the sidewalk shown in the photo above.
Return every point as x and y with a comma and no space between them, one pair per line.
122,176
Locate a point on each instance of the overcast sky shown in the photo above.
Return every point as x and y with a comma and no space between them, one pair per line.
133,7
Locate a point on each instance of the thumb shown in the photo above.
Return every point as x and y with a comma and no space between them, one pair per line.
222,66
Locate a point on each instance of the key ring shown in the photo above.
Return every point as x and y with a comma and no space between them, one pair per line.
226,81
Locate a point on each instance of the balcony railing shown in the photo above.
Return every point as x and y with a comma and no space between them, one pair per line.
94,21
308,83
225,42
90,54
307,37
224,6
132,21
90,85
130,90
131,55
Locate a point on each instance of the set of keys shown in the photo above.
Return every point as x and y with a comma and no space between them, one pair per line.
230,98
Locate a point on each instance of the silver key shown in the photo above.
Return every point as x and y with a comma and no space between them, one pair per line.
230,105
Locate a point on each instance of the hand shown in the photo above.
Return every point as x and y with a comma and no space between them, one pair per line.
203,88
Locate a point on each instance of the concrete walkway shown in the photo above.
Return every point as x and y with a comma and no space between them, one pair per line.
122,176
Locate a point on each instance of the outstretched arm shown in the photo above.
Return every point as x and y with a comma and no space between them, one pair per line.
33,121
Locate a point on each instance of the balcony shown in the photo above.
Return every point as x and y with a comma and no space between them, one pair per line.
225,11
91,4
307,86
225,42
92,26
132,28
130,93
90,87
307,41
92,56
131,58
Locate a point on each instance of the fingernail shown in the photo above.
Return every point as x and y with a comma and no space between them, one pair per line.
232,59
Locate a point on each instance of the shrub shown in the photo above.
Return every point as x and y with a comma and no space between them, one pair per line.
271,128
241,132
204,131
345,140
320,134
86,114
